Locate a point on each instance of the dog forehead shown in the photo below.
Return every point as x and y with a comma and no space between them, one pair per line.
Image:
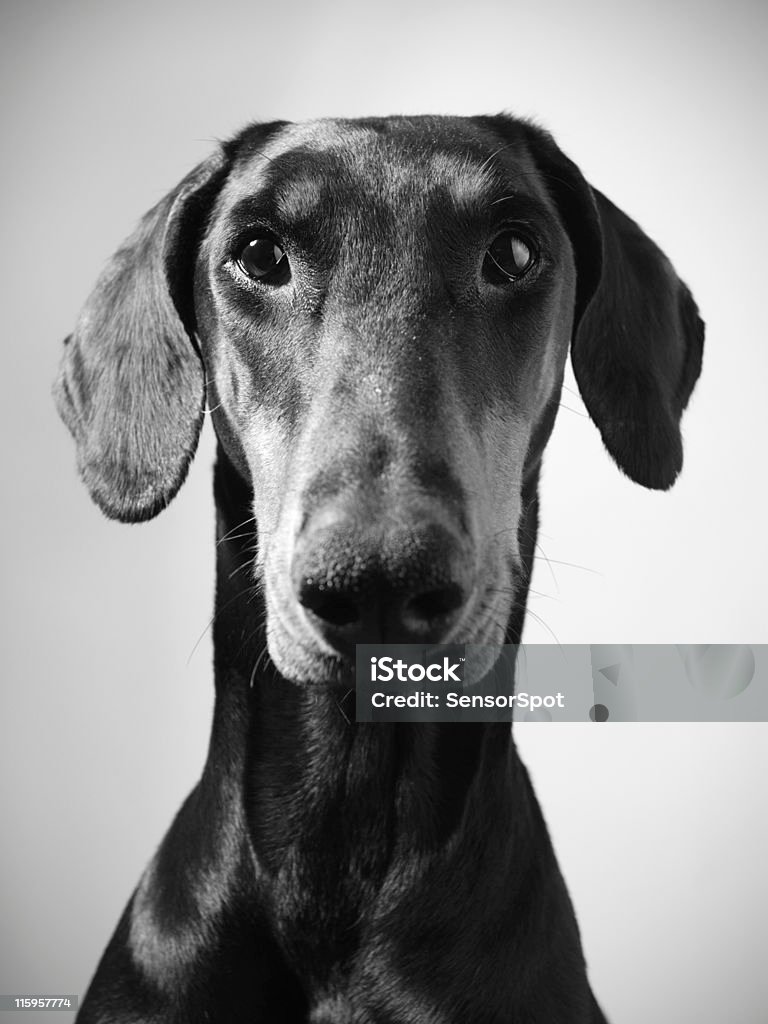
306,165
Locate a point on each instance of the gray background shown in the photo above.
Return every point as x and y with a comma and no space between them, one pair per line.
106,692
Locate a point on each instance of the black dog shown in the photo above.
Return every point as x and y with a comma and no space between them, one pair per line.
378,313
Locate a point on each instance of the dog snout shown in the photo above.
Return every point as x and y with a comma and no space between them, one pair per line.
370,584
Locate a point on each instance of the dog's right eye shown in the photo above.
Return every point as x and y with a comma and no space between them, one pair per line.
264,260
509,257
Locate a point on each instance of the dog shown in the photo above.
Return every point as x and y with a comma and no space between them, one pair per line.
378,313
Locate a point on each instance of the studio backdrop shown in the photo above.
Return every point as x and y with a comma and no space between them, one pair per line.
107,692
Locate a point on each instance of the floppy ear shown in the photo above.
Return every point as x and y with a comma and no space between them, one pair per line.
131,387
638,338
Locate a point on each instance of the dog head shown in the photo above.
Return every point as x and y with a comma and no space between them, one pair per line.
379,312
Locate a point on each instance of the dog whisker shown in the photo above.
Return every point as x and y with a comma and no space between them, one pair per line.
571,565
211,621
576,412
229,534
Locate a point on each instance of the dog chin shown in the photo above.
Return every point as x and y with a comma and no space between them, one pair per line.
304,663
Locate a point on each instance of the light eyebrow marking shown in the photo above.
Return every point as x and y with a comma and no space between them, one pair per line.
299,199
471,185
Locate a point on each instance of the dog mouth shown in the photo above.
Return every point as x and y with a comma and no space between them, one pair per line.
303,652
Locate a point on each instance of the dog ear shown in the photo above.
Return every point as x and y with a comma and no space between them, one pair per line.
638,338
131,387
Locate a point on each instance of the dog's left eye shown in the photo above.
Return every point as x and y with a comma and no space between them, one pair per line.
263,260
510,255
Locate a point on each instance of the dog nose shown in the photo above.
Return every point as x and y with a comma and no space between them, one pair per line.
359,586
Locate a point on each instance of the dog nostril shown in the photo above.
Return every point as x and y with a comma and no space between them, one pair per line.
435,603
334,609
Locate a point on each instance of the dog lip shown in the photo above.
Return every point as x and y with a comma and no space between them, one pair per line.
313,666
320,663
323,663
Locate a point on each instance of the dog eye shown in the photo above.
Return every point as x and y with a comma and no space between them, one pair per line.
263,259
509,255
